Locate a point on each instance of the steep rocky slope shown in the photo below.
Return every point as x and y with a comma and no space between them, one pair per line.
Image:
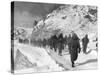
80,19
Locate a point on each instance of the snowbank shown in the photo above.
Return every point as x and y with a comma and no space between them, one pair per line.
39,56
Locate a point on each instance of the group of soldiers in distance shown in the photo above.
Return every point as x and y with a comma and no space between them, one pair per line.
58,42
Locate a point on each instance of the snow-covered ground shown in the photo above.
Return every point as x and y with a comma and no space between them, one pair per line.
39,56
84,62
47,60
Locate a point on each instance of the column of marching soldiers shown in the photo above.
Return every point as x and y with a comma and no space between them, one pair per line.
58,43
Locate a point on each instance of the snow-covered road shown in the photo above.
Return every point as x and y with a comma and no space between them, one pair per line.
84,62
51,61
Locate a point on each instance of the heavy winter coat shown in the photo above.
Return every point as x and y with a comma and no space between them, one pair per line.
85,42
74,47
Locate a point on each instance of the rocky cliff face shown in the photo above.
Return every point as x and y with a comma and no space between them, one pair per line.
80,19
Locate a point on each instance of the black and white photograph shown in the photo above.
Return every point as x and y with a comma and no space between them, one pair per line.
53,37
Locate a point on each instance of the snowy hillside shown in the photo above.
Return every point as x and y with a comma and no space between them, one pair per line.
80,19
69,18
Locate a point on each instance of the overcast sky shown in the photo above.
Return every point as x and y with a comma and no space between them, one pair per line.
26,12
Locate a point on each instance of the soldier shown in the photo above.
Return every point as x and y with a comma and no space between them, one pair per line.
74,48
53,42
68,41
44,42
85,42
65,40
60,44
